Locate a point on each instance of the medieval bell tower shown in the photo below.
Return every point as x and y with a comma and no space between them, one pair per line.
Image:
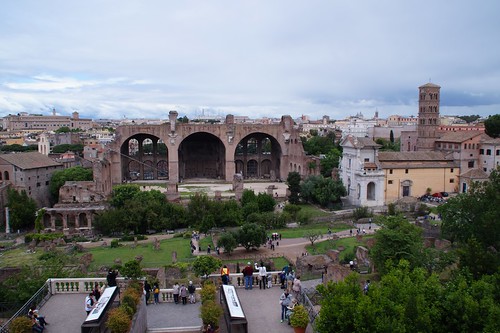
428,116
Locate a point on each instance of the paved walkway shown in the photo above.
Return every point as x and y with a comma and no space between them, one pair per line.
65,313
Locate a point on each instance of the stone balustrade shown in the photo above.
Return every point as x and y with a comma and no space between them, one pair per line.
86,285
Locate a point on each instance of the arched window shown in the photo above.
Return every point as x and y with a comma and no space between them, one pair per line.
6,175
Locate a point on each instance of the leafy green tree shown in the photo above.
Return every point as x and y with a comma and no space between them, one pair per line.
397,239
205,265
18,148
471,221
71,174
22,210
330,161
317,145
76,148
470,118
293,210
492,126
266,202
132,269
227,241
248,196
323,191
251,235
63,129
38,220
293,182
123,193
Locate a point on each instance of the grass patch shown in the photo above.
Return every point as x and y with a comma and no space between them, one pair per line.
205,241
151,258
19,257
300,231
314,211
348,243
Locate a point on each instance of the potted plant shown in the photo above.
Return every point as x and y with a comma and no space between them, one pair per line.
299,319
210,313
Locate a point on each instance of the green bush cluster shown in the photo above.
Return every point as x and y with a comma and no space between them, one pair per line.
210,311
41,237
21,325
120,319
131,238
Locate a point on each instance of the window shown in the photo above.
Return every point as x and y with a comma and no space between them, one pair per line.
451,170
470,164
452,180
367,160
488,152
485,169
481,151
406,170
38,185
498,152
390,171
389,182
47,183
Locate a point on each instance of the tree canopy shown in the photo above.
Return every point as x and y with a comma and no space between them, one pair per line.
407,300
325,192
205,265
75,148
22,210
293,182
492,126
472,220
61,176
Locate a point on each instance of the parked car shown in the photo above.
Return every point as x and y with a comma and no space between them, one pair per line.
445,194
437,195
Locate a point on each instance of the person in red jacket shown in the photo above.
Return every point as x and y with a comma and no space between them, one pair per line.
248,276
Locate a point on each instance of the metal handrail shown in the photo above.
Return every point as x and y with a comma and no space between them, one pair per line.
39,298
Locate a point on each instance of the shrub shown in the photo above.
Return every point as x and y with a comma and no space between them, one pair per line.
115,243
21,325
129,301
118,320
42,237
299,317
130,311
210,313
208,292
361,212
131,238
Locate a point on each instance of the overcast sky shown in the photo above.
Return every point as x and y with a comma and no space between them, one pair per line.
141,59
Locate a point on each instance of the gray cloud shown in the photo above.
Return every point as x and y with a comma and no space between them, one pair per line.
259,58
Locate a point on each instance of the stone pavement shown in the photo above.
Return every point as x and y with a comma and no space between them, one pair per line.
65,313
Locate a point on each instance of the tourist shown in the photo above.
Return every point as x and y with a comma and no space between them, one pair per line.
208,249
262,275
183,293
156,293
366,288
289,280
111,278
175,292
33,313
248,276
192,291
224,274
297,287
89,303
285,301
147,291
97,291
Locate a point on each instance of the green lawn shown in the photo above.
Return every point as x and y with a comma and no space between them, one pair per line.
205,241
314,211
19,257
151,258
348,243
300,231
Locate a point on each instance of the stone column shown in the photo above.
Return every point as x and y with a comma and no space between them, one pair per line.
140,158
155,159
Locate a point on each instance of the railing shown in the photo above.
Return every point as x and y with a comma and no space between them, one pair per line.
237,280
308,304
86,285
38,299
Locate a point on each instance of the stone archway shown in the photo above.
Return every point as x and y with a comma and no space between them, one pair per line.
202,155
259,156
141,155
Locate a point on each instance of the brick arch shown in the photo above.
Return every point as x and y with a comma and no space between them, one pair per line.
262,148
202,155
140,154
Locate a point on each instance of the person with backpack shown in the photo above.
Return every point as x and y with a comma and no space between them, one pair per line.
224,273
156,293
191,291
89,303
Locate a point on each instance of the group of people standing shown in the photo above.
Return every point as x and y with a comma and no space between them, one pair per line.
181,293
156,292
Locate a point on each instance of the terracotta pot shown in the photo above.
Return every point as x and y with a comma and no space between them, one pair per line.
299,329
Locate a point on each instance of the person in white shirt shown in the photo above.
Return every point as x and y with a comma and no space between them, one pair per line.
262,275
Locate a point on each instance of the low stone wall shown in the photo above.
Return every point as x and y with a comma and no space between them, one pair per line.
140,320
